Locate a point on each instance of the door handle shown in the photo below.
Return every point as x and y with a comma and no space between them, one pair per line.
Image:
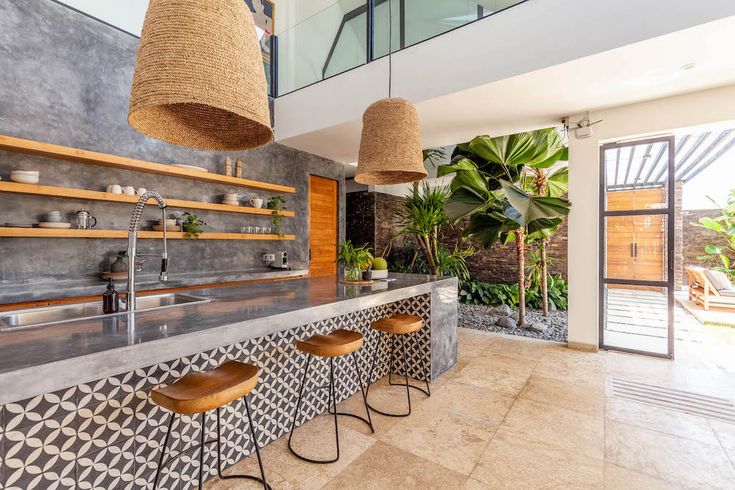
635,250
632,249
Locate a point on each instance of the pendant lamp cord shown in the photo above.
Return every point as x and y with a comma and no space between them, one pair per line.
390,48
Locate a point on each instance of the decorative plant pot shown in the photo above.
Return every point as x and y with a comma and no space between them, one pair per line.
353,274
119,265
379,274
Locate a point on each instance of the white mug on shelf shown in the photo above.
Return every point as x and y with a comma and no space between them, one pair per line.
257,202
129,190
116,189
141,191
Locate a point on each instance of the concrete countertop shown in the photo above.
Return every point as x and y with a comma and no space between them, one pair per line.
44,359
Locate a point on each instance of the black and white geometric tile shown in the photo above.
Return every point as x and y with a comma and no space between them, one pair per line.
108,434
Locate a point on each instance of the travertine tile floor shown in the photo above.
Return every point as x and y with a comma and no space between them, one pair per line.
519,413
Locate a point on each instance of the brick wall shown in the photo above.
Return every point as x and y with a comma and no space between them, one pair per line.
370,221
360,215
499,264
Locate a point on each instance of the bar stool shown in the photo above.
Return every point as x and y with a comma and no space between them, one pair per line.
397,325
200,392
335,344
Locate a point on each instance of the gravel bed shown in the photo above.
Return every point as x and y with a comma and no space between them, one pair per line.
481,317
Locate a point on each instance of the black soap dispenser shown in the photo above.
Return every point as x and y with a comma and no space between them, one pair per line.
110,299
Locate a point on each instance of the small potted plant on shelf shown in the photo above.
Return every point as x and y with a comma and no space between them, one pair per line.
355,260
276,203
192,225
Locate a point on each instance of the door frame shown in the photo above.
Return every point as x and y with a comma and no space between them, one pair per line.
337,217
670,212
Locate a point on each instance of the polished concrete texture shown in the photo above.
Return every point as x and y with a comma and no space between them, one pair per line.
65,79
41,360
520,413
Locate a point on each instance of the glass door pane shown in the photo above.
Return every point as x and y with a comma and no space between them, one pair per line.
636,294
636,318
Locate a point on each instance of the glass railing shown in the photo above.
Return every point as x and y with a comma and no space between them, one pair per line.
351,33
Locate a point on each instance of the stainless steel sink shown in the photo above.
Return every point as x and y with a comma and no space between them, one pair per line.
35,317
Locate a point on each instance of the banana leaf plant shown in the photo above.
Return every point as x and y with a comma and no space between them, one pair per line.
491,187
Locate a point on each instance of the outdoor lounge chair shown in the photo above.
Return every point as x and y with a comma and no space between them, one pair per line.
704,290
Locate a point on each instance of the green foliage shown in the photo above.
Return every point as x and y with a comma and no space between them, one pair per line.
192,225
724,226
480,293
421,217
354,257
558,292
454,262
276,204
434,155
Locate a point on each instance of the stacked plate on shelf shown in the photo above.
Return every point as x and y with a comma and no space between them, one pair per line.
20,225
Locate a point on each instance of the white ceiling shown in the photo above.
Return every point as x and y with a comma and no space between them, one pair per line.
642,71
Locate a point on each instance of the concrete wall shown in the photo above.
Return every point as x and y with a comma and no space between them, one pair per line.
65,79
707,107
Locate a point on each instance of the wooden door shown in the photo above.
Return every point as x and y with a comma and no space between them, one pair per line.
323,223
620,239
636,245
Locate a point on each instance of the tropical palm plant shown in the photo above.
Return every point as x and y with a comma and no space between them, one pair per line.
422,216
490,187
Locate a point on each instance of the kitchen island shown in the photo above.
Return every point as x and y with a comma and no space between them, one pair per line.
74,395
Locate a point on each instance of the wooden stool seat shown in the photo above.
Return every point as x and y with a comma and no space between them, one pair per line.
200,392
338,343
399,324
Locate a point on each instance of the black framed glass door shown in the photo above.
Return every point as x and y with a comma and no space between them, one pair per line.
637,202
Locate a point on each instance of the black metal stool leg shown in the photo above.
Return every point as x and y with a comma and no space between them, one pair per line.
163,450
201,452
334,403
364,394
375,362
257,451
426,391
407,383
428,376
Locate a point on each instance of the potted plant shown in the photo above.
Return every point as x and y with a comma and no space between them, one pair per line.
276,204
192,225
355,260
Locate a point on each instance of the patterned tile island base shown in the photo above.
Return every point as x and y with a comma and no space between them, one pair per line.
107,434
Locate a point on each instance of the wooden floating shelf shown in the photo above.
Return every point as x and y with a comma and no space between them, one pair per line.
93,233
47,150
65,192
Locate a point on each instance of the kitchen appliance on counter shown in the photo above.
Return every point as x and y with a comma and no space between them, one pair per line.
85,221
278,260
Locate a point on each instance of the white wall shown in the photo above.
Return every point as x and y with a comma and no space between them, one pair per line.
662,116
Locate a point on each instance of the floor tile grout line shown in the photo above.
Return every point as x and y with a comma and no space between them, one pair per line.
505,416
722,446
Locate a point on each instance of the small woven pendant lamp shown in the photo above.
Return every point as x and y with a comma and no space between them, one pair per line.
390,145
199,80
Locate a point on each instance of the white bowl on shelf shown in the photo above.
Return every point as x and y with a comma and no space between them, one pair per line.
53,225
25,176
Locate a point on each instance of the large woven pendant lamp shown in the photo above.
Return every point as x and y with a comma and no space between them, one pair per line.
390,145
199,79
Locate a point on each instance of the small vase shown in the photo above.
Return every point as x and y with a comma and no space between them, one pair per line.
119,265
353,274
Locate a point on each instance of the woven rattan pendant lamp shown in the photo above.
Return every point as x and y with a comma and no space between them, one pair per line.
199,80
390,146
